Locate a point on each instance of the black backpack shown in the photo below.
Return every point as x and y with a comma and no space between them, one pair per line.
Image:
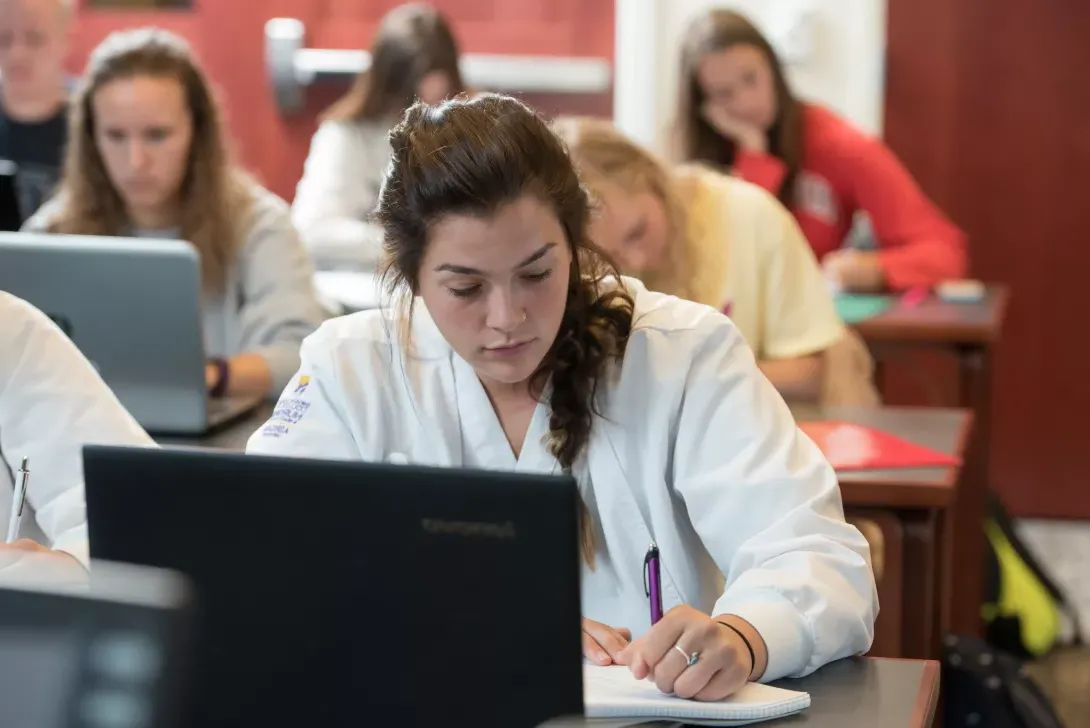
983,687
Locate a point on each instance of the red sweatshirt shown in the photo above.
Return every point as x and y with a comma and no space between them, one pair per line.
844,170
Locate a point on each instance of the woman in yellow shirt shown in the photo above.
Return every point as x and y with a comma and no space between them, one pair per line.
726,243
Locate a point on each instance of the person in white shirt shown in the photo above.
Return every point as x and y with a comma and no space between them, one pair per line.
148,156
518,347
52,402
714,239
414,55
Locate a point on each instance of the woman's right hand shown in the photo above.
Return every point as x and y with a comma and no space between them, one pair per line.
601,643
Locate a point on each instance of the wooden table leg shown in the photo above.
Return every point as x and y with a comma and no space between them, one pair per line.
967,515
922,582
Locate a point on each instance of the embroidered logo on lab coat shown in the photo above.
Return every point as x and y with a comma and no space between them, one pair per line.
290,411
301,385
274,430
814,195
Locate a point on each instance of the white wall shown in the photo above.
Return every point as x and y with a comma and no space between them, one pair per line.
842,69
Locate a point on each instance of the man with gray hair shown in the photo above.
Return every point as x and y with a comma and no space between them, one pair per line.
33,95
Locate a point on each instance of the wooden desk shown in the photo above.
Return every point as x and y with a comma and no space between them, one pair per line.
912,507
937,323
967,332
854,693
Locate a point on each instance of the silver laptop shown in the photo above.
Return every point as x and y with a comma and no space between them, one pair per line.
132,306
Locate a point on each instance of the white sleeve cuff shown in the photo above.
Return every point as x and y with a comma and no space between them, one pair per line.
783,629
77,546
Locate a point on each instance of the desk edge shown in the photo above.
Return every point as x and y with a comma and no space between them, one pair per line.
953,476
927,698
923,713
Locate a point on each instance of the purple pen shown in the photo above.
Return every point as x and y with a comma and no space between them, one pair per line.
652,581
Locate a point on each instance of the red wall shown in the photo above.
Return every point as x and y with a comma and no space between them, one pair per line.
229,36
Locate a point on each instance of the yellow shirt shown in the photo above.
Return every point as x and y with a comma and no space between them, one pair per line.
745,255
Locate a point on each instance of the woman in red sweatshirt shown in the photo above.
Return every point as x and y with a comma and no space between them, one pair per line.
736,111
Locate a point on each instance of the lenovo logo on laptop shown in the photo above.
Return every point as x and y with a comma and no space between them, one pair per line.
470,529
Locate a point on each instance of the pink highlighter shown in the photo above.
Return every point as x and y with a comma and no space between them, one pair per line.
914,296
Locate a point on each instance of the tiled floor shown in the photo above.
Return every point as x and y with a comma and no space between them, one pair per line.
1065,677
1063,547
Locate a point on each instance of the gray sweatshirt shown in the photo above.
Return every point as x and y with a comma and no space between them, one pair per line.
268,305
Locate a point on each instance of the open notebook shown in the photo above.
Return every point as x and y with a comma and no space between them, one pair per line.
612,692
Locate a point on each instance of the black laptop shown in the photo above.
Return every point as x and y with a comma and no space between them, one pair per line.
108,653
336,594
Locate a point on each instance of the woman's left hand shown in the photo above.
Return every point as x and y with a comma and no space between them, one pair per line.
722,665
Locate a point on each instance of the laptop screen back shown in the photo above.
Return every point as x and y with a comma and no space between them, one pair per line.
343,594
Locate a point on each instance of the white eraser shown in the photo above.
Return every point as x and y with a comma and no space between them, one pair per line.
961,291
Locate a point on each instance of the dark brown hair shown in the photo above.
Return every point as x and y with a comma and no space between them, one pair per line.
216,196
471,157
711,32
412,41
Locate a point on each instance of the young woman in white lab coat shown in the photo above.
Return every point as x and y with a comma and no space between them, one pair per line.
52,402
523,349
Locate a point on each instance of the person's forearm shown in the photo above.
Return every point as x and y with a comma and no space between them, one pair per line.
798,379
248,374
925,262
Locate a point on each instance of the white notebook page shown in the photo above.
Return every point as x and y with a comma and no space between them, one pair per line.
612,692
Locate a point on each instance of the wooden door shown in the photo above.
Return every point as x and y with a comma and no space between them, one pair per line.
988,104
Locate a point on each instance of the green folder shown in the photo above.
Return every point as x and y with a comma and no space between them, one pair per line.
856,307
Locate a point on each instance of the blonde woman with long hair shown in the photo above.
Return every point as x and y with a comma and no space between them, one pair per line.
707,237
148,157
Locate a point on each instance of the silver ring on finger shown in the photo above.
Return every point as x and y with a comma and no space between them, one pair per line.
690,658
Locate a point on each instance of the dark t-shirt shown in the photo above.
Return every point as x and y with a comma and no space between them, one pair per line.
37,150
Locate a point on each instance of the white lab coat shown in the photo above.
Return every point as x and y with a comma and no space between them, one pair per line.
52,402
695,450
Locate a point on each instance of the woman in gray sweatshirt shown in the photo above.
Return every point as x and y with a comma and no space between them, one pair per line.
148,156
